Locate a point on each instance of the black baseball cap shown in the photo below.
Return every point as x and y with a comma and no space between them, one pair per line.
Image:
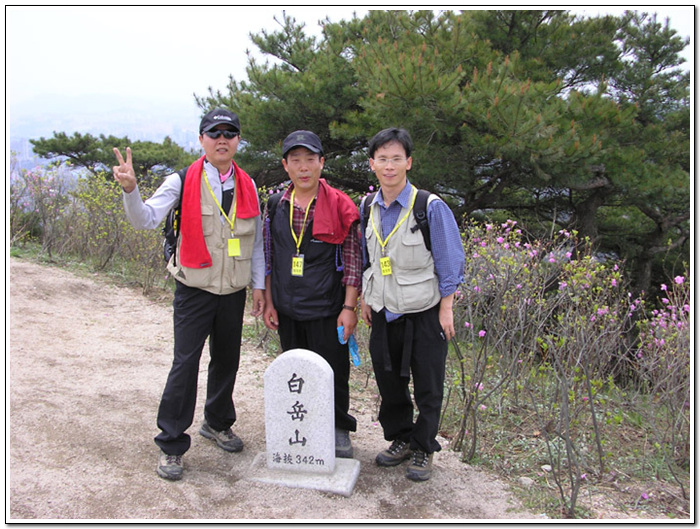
302,138
219,116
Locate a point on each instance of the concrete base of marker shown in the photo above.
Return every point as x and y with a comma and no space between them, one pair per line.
341,481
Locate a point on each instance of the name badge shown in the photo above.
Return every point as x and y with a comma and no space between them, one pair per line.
234,247
385,264
298,265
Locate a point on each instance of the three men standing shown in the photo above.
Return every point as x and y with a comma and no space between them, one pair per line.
306,270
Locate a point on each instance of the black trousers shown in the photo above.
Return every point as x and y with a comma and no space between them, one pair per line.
321,337
414,345
197,315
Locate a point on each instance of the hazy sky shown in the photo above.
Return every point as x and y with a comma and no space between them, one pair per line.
163,52
146,51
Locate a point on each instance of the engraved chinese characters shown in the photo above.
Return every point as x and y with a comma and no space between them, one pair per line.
299,416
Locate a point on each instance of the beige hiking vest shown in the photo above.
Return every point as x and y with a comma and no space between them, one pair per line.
227,274
413,284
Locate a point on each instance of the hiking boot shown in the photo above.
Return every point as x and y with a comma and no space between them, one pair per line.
420,467
398,451
226,439
343,446
169,466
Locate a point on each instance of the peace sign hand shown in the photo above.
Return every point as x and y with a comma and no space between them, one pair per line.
124,172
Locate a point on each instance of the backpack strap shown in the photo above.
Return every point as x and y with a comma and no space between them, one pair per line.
178,211
365,207
272,203
171,228
364,219
420,213
182,173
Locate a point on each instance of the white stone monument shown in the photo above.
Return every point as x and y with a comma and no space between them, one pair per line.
300,427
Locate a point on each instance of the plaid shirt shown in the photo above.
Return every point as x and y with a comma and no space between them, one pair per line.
351,249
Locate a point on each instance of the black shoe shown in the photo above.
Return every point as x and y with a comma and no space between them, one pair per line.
169,466
398,452
420,467
343,446
226,439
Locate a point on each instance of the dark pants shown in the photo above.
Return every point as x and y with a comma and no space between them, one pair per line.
321,337
197,315
414,345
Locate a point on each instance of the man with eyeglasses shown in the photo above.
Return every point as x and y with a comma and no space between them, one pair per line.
219,254
408,288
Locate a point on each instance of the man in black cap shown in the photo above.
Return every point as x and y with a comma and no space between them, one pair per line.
313,269
219,253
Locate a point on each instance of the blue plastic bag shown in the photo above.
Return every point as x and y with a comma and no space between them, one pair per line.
352,345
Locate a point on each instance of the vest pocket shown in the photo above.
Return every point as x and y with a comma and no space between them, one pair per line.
367,284
417,291
414,251
245,231
208,219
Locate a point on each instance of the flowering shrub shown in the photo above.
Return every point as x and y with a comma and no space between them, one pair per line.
38,198
24,221
664,343
546,330
503,310
663,360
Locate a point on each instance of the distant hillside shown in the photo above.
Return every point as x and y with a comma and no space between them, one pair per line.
139,119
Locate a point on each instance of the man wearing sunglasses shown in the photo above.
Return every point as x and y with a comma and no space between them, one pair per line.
219,253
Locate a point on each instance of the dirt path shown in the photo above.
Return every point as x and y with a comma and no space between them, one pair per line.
87,366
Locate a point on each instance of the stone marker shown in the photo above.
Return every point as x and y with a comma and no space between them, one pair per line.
300,427
299,413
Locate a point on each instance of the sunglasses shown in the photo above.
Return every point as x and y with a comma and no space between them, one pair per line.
228,134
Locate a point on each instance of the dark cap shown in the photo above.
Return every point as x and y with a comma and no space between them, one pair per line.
302,138
219,116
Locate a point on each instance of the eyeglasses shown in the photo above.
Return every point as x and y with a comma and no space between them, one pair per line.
381,161
228,134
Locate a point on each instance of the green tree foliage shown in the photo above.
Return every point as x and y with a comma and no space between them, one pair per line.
151,160
651,161
307,85
559,121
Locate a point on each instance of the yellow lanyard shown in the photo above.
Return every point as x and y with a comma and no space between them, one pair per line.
297,240
382,243
231,221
